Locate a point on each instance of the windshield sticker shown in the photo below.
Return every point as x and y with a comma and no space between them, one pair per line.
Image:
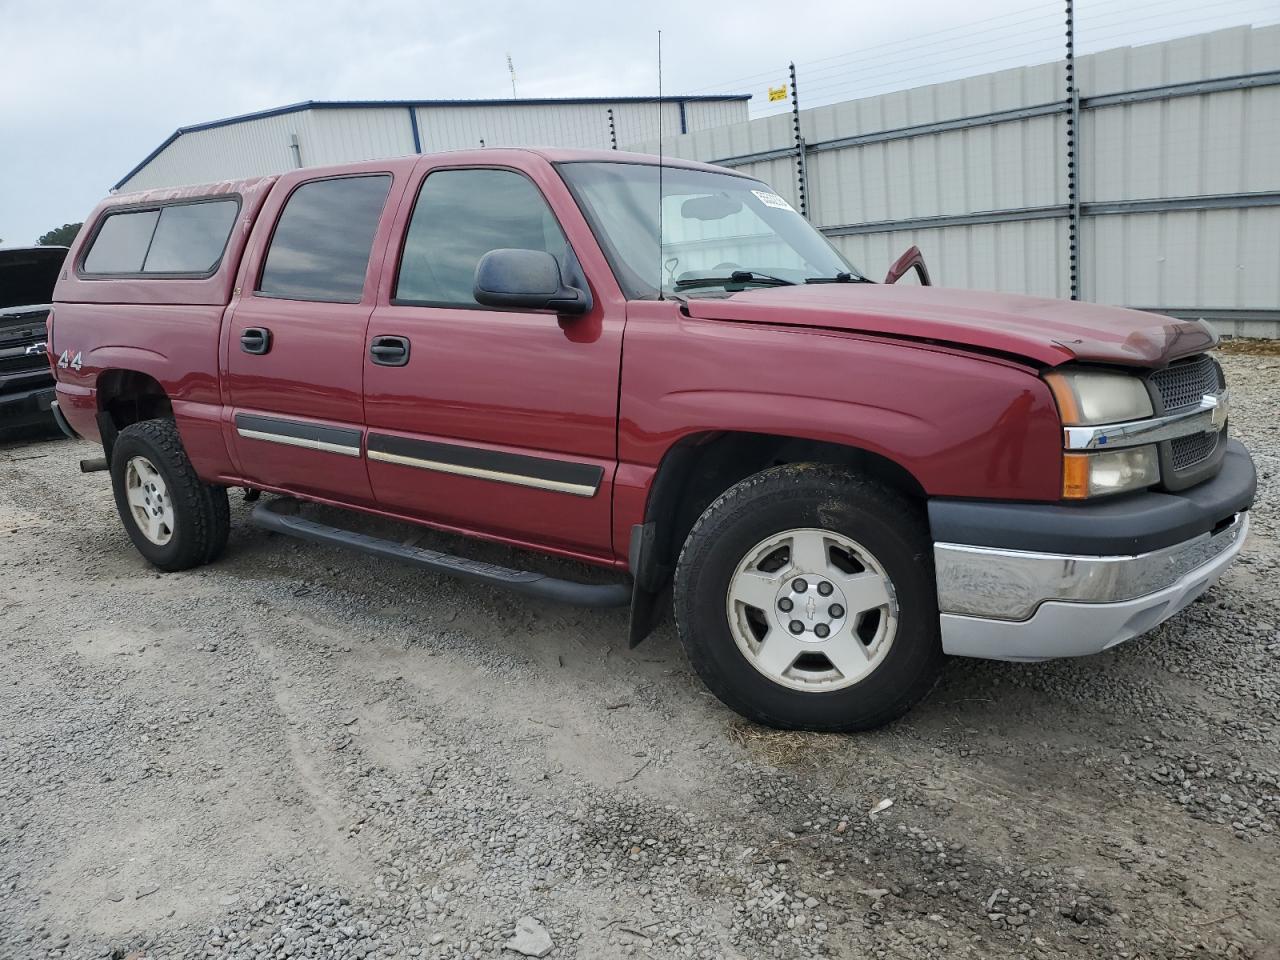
772,200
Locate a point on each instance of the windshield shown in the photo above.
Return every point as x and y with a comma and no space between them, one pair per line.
713,225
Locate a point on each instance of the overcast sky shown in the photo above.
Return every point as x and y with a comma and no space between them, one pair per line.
87,89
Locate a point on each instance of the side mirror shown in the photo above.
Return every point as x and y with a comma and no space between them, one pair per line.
913,259
527,279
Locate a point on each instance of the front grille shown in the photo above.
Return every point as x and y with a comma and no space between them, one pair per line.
1182,384
1178,388
14,343
1186,452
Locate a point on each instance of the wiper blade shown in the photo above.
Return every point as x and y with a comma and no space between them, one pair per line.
838,278
738,276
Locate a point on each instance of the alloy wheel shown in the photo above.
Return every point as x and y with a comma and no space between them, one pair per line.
812,610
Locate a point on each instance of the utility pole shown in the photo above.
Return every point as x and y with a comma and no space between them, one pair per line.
1073,178
802,173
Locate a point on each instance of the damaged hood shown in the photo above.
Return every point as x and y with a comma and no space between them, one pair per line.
1047,332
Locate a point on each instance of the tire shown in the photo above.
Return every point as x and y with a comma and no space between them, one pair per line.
771,534
149,464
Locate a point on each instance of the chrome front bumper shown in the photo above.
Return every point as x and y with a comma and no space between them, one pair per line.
1021,605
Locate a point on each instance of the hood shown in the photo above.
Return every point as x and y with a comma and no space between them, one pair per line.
27,274
1047,332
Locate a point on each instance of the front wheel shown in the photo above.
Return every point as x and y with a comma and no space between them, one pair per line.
805,599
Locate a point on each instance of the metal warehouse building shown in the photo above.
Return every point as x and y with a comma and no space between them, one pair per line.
322,132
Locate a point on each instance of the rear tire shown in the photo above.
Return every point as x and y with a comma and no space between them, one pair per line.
174,519
834,569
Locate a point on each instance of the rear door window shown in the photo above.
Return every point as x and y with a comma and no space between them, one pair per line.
177,240
322,241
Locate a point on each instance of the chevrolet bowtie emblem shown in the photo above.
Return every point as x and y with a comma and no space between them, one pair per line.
35,348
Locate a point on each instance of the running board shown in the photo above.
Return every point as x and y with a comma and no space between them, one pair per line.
270,515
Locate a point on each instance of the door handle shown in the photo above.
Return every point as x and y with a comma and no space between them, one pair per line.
389,351
255,340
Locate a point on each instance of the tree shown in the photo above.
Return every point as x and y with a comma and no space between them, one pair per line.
60,236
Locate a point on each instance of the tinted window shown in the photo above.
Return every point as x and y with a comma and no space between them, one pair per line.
190,237
184,238
460,216
320,250
121,243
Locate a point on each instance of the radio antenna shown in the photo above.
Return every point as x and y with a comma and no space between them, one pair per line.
660,109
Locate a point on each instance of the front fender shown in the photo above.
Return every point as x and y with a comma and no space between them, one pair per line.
962,424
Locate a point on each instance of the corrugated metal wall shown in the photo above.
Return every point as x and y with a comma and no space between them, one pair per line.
985,196
560,125
248,149
343,136
261,145
1221,143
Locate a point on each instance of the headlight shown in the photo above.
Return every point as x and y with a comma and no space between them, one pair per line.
1111,471
1090,397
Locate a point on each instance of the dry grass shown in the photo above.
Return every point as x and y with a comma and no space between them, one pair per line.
1250,346
786,748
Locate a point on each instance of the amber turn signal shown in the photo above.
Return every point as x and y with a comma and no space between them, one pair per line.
1075,476
1065,397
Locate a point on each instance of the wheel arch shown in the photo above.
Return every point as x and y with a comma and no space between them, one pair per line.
126,397
699,467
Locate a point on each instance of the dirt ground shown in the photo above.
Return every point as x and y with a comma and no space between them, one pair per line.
305,752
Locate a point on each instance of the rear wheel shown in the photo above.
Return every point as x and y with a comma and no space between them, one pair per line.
805,599
174,519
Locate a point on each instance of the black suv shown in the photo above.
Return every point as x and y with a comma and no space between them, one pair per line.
27,276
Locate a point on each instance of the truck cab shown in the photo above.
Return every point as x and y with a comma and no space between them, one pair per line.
661,370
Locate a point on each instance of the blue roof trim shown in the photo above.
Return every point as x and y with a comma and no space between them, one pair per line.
359,104
413,125
147,159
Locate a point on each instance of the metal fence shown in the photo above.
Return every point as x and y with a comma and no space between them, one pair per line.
1175,192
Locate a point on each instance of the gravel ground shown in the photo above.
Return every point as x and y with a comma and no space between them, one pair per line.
300,752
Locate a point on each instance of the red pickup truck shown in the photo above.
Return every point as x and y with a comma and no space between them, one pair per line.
667,372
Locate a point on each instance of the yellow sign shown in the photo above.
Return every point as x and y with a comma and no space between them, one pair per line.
777,93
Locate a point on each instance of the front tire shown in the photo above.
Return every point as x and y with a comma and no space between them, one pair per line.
805,599
174,519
